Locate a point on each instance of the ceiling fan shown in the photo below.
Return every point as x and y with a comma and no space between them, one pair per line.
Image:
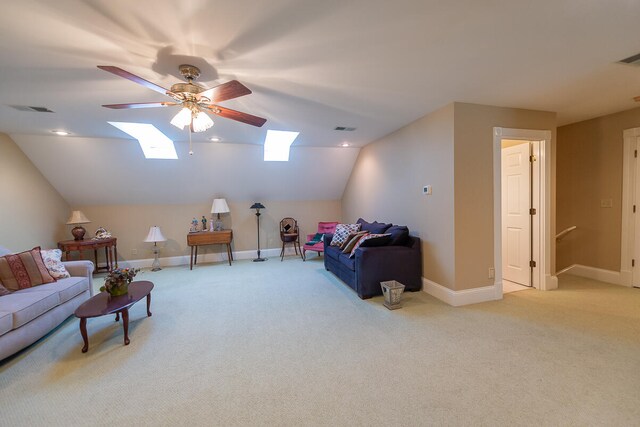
193,98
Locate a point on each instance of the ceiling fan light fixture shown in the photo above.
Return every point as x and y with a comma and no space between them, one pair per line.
182,119
201,122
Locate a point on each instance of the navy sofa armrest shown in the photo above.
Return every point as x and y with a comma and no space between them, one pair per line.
377,264
327,239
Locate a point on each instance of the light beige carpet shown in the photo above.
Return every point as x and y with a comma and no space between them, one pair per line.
286,343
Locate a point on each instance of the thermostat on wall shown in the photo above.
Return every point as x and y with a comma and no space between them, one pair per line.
426,190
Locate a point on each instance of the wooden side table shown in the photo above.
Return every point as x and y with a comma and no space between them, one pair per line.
109,245
201,238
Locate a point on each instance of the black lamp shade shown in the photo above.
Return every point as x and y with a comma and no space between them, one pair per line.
257,205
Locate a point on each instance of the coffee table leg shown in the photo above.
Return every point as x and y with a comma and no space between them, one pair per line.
148,304
83,332
117,316
125,325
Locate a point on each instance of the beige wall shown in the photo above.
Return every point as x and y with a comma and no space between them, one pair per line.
590,170
451,149
386,185
32,212
130,224
474,184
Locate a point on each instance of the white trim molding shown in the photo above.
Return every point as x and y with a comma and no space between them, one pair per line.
464,297
543,279
600,274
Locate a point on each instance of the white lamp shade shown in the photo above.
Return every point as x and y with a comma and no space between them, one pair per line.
201,122
155,235
182,119
77,217
219,206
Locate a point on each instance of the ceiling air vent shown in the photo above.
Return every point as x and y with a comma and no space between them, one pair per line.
345,129
632,60
32,109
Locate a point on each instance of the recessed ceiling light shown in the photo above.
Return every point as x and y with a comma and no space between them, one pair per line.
61,132
345,144
214,139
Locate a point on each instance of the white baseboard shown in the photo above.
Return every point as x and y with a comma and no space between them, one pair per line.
608,276
205,258
464,297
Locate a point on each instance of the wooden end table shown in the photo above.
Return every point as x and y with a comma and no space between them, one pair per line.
109,245
104,304
201,238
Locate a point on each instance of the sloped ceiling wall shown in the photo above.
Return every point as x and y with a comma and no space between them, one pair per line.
100,171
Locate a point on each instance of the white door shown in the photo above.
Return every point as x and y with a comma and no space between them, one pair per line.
516,221
636,218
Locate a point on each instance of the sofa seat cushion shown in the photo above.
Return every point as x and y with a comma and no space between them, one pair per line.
350,263
6,322
332,252
26,306
66,288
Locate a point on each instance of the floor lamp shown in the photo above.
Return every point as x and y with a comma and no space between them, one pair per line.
257,206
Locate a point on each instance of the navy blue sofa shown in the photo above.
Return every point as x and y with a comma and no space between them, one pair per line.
371,265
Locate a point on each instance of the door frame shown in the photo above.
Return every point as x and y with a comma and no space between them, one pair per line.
627,243
542,278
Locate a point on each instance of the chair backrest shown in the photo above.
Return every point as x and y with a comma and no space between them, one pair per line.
288,225
327,227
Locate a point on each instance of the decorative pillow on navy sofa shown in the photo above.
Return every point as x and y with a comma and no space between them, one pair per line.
351,241
342,232
399,235
376,240
362,239
374,227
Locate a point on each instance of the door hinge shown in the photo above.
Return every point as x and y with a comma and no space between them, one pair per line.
635,153
633,263
532,158
634,208
532,211
532,263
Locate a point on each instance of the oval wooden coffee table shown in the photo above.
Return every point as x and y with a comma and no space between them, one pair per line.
104,304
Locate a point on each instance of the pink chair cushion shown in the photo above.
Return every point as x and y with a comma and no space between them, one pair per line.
324,228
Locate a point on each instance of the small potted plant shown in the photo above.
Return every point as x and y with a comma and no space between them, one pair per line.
117,281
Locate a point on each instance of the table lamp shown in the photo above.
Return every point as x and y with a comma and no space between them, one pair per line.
219,206
257,206
76,218
155,235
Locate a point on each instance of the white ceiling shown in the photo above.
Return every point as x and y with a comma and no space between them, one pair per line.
312,65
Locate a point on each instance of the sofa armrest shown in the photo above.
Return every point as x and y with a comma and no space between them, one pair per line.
81,268
328,237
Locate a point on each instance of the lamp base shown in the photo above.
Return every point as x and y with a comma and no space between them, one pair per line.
78,232
259,259
155,266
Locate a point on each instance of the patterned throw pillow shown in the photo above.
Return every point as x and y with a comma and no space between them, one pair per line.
363,239
4,291
342,232
24,270
53,261
351,241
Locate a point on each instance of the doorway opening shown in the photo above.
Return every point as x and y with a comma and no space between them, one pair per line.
630,242
522,202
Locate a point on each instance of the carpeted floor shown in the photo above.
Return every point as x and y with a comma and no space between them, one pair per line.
286,343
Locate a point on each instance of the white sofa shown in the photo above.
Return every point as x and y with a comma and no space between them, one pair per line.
29,314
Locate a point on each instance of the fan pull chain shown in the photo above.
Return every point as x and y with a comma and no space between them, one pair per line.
190,150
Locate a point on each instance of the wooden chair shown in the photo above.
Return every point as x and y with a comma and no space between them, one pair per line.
289,233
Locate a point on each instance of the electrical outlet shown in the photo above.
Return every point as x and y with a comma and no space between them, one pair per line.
606,203
134,252
492,273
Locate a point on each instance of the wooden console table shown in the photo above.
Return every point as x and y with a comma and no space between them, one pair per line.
201,238
109,245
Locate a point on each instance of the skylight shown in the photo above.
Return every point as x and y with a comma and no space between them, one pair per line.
154,144
277,144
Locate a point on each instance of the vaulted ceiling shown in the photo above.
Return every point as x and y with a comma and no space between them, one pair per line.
312,65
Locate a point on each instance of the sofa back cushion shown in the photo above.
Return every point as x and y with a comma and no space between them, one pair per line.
399,235
374,227
23,270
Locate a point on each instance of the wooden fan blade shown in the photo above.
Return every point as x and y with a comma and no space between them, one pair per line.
228,90
237,115
140,105
127,75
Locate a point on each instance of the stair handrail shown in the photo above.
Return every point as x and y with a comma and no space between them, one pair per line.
566,231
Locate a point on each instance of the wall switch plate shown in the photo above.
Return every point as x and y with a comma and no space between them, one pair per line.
426,190
134,252
492,273
606,203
